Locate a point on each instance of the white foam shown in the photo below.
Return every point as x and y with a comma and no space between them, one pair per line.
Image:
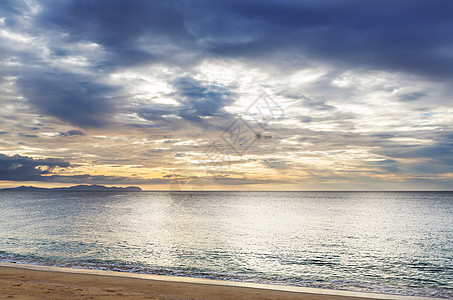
182,279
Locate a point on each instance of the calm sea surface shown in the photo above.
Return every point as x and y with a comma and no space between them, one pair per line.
387,242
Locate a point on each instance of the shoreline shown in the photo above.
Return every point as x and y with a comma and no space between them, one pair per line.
36,281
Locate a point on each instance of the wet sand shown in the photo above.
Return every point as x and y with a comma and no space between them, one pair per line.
40,282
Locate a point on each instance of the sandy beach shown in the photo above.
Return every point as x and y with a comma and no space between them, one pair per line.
22,281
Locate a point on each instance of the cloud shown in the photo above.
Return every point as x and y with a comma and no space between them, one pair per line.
133,32
103,179
23,168
14,10
412,96
275,163
197,100
201,100
387,165
406,36
28,135
71,133
385,35
76,100
364,85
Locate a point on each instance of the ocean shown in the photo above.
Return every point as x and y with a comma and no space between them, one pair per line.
383,242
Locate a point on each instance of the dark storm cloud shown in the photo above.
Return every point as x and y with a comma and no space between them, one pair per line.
411,36
14,10
71,133
23,168
412,96
197,100
28,135
68,97
438,151
387,165
433,159
319,105
275,163
131,30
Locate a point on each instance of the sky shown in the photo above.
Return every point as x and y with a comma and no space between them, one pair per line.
227,95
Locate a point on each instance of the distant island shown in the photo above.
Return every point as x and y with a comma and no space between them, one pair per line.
78,188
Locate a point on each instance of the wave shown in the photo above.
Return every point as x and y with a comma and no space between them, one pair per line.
119,266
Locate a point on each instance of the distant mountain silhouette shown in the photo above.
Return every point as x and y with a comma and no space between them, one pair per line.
78,188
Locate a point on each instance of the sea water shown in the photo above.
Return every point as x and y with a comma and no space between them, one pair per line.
385,242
